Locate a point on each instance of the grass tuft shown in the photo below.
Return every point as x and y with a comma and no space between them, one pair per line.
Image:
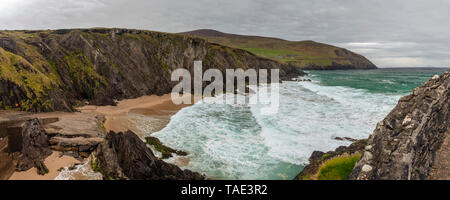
338,168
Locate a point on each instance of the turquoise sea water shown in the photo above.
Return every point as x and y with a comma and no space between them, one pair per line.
238,142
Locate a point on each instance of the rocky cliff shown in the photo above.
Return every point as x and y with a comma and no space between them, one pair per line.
412,142
59,69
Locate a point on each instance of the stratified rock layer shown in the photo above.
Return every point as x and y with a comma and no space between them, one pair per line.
410,143
125,156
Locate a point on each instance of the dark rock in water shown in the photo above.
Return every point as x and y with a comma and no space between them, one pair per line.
345,138
412,141
35,147
319,157
125,156
165,150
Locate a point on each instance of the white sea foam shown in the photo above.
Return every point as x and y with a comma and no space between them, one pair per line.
238,142
80,172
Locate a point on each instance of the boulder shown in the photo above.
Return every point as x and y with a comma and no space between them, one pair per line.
124,156
35,147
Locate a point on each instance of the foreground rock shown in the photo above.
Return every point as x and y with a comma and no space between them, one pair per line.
412,141
318,158
124,156
27,139
75,132
23,145
35,147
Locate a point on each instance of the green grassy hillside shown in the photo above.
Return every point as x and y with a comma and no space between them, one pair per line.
304,54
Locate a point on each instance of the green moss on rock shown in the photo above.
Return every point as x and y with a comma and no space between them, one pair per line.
165,151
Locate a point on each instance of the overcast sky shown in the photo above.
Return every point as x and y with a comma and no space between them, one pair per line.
391,33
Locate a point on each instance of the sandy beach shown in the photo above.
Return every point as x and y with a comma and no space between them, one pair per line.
118,118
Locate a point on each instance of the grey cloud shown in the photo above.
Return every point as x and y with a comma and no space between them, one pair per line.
395,33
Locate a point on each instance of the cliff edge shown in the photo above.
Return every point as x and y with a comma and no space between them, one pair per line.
412,142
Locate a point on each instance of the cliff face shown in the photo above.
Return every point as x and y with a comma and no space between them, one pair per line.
412,142
57,70
308,54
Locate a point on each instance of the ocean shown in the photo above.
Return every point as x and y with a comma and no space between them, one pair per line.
238,142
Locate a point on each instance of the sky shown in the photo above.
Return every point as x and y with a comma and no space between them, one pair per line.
390,33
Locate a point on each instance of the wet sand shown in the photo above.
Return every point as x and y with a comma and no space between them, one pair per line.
53,163
120,117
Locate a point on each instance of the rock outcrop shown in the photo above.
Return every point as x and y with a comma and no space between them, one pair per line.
60,69
24,144
411,143
79,133
124,156
35,147
318,157
27,139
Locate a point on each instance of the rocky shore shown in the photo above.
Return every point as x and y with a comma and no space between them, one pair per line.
30,140
411,143
125,156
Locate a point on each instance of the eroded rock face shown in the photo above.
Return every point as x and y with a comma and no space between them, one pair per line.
125,156
35,147
409,142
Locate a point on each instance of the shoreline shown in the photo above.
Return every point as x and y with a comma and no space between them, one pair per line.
117,118
120,117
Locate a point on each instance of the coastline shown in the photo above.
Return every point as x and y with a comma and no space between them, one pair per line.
117,118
